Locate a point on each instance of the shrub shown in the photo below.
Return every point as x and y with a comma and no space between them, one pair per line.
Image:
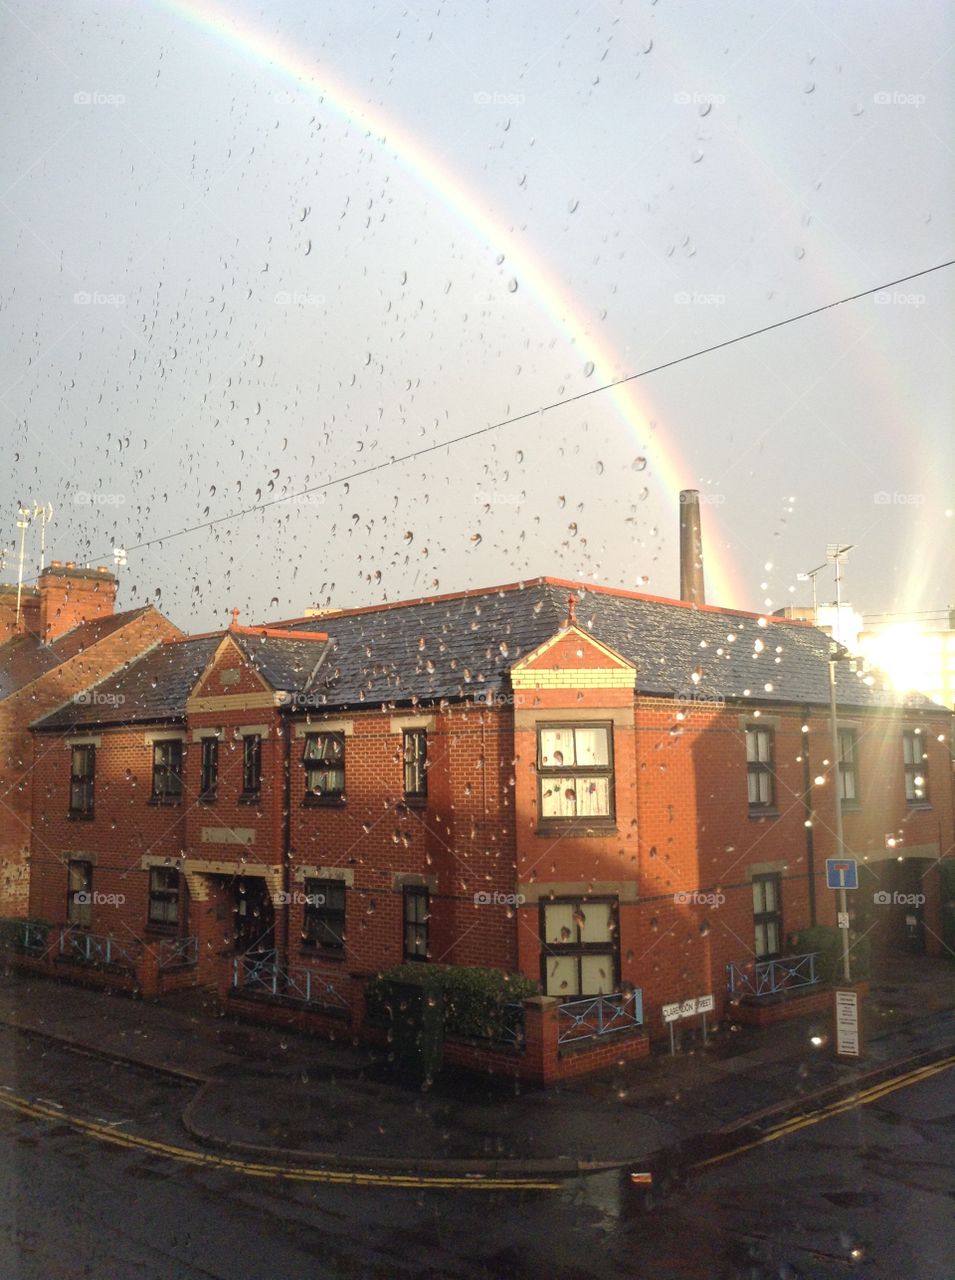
474,999
827,941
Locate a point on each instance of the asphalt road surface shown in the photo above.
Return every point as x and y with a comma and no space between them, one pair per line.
93,1187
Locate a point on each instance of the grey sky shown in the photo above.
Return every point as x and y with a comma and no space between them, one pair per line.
276,297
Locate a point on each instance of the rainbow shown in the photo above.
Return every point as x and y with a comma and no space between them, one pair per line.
470,207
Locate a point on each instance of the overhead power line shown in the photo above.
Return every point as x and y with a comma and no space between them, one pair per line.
522,417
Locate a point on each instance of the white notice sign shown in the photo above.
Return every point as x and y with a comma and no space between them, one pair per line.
847,1024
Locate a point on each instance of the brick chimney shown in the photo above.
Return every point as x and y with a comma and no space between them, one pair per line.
29,611
69,596
691,548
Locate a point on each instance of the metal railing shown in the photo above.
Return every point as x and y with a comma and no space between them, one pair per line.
176,953
24,935
34,937
80,947
771,977
260,973
599,1016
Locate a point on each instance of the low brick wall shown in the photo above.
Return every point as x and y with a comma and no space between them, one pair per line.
292,1014
597,1055
487,1059
177,979
83,975
541,1060
764,1013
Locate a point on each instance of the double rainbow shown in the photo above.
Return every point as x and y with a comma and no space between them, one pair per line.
470,208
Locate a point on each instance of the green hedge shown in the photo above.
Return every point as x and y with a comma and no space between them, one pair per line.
826,939
474,999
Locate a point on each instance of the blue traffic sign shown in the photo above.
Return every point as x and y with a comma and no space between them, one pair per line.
842,873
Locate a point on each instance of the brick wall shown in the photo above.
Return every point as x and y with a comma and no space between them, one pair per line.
19,752
680,855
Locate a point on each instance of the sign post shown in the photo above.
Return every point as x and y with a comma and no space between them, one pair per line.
843,874
672,1013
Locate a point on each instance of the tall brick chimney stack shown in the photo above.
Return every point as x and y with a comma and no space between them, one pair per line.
691,548
69,596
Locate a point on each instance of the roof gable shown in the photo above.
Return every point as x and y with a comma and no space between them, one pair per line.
572,649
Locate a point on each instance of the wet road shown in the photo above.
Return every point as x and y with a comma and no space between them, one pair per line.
869,1192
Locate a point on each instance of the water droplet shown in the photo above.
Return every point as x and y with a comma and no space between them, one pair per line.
588,368
512,285
639,464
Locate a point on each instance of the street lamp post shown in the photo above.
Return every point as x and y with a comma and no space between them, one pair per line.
836,779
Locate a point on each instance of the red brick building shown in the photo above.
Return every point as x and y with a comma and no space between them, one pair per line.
602,790
65,638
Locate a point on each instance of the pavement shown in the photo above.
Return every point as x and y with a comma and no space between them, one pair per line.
291,1097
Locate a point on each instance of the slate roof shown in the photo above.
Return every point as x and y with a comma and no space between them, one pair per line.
284,663
25,658
157,685
463,645
154,687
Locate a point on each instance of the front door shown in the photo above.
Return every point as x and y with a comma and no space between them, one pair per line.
254,917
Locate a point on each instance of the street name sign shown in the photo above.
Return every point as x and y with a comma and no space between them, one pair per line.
688,1008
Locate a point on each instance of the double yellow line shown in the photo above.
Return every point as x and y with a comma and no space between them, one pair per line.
104,1133
854,1100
